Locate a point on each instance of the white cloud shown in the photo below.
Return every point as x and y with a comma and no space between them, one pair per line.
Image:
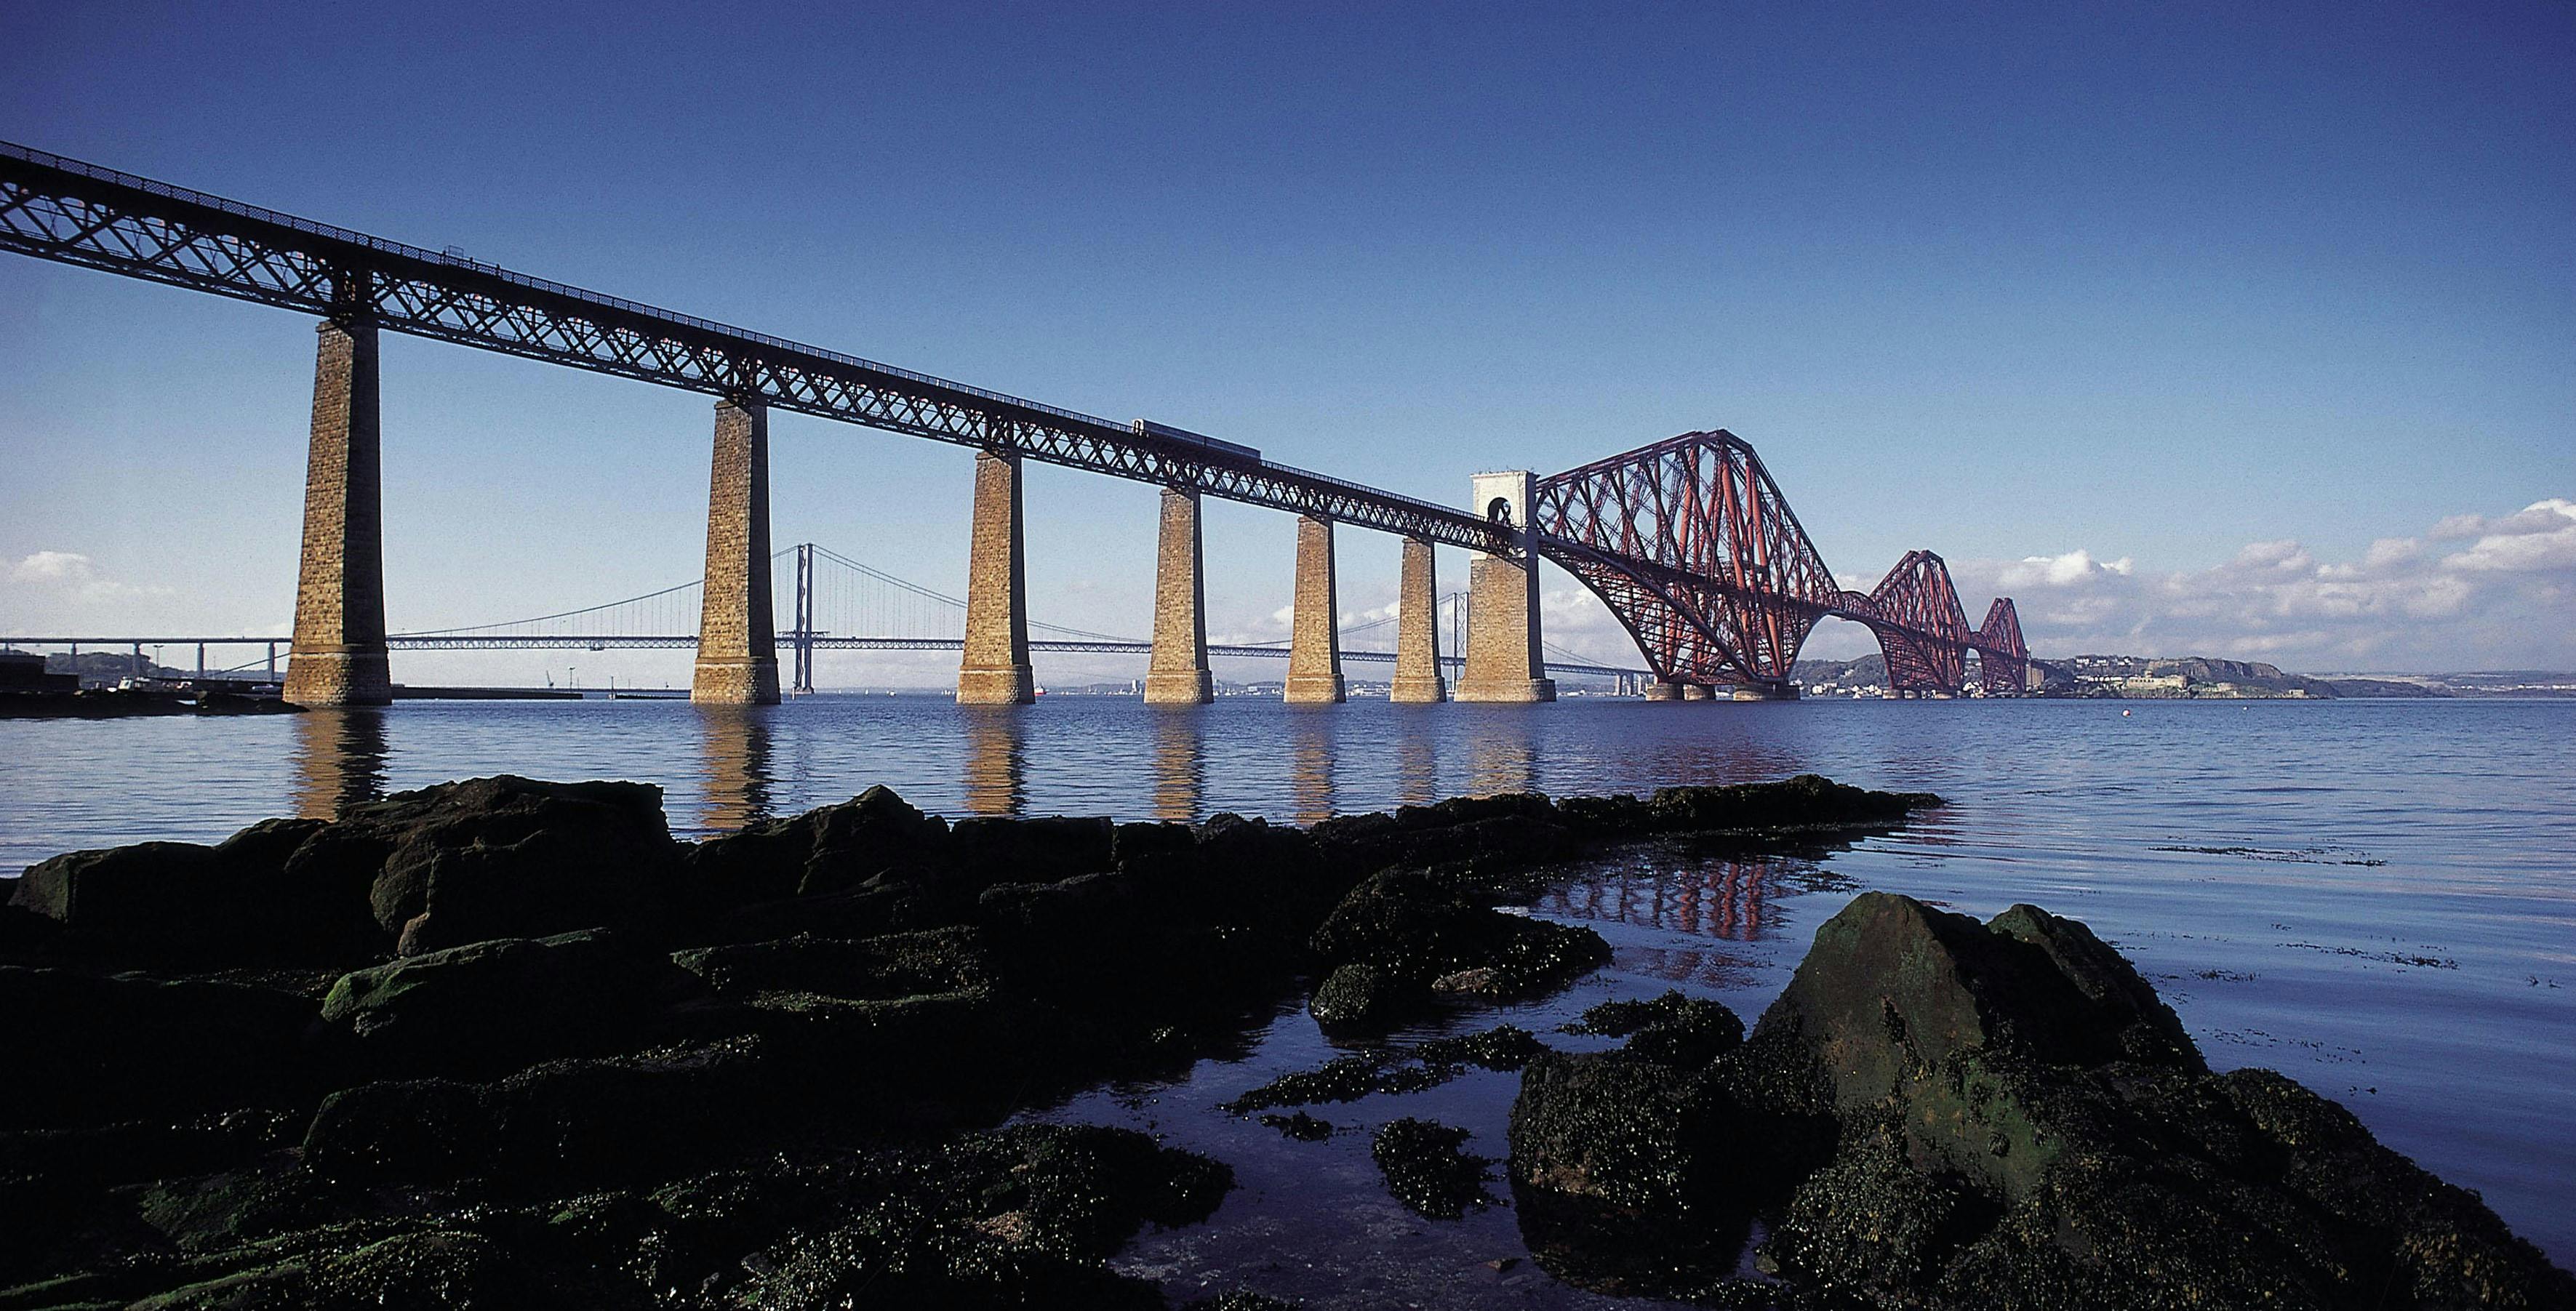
57,577
2503,595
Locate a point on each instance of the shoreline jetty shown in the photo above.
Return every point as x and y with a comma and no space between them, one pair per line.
505,1042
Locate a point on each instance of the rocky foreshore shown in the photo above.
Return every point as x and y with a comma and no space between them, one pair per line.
508,1043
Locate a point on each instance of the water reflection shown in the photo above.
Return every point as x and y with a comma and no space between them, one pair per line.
1502,761
1715,898
996,766
740,784
1417,766
339,761
1180,764
1310,766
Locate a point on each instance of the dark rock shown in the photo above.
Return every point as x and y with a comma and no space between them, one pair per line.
823,851
1428,1169
594,1118
1300,1126
497,1005
163,896
512,857
1674,1030
85,1049
990,850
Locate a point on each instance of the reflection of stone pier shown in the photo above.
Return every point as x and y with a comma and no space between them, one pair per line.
339,761
1498,763
1310,768
735,742
996,772
1180,766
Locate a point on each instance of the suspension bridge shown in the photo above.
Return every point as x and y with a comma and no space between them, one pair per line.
840,604
1689,542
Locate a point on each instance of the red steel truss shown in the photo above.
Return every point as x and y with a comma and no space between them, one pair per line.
1693,547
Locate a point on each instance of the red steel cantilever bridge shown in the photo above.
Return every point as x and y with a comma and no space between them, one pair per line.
1688,541
1693,547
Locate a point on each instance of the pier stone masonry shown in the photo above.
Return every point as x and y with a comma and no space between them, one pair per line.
1314,635
1661,690
338,658
1179,674
996,670
737,631
1504,662
1417,629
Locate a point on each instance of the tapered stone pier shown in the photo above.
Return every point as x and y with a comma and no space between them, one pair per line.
737,630
1698,692
1663,691
996,668
1178,674
1314,635
338,658
1417,629
1504,662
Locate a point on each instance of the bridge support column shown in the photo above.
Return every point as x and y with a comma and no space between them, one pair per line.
1179,674
996,668
1766,691
1503,658
1417,629
338,657
1698,692
1660,690
737,632
1314,633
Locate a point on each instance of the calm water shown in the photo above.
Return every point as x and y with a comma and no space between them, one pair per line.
2378,898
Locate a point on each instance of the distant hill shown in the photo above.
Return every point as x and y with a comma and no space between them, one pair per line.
109,666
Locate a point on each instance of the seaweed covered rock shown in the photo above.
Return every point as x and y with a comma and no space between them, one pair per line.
1421,931
889,965
1674,1030
582,1118
501,1004
1019,1217
1427,1167
1356,995
2025,1125
1606,1126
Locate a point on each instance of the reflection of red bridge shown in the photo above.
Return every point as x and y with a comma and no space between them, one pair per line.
1692,546
1716,898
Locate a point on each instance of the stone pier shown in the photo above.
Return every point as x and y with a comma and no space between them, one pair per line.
996,668
1698,692
737,632
1663,691
338,657
1503,656
1417,629
1178,674
1314,634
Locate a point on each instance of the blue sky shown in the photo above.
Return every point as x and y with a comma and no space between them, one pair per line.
2239,330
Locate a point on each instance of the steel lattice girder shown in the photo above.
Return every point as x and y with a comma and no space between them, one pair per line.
1701,506
76,213
1691,545
2003,663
